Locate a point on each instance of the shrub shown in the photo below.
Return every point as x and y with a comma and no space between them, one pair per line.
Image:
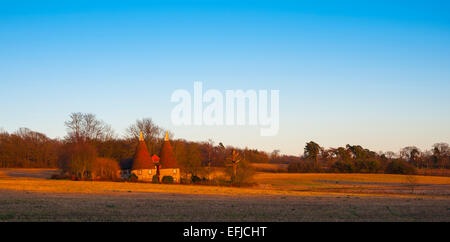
244,174
362,166
400,167
105,169
133,178
61,177
293,167
78,159
343,166
411,182
167,179
55,176
367,166
155,179
184,180
195,179
304,167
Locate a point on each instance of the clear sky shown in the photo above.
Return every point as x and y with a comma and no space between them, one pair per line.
374,73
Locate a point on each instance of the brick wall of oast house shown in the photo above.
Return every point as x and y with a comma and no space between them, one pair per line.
147,174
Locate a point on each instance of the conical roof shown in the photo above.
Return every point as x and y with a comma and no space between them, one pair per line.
167,157
142,159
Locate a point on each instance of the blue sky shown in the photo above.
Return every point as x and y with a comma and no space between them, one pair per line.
374,73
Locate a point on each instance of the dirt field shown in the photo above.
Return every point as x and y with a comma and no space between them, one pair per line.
26,195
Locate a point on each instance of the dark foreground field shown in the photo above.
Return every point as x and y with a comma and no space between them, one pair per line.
25,197
37,206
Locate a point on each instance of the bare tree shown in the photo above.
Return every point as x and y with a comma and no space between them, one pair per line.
443,148
234,161
411,182
275,154
150,130
210,149
389,154
153,134
85,127
441,154
408,152
411,154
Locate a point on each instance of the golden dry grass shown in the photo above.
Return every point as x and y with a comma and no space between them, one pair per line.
374,178
321,184
124,206
22,183
26,195
368,184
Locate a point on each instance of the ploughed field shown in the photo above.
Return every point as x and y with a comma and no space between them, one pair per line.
28,195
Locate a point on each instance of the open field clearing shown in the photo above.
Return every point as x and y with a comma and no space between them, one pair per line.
322,184
26,195
369,184
138,206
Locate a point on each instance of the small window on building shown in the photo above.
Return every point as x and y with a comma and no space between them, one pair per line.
150,171
140,172
174,171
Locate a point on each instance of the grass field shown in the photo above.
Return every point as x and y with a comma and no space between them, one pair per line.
27,195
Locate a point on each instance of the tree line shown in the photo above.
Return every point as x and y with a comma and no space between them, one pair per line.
92,148
356,159
28,149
